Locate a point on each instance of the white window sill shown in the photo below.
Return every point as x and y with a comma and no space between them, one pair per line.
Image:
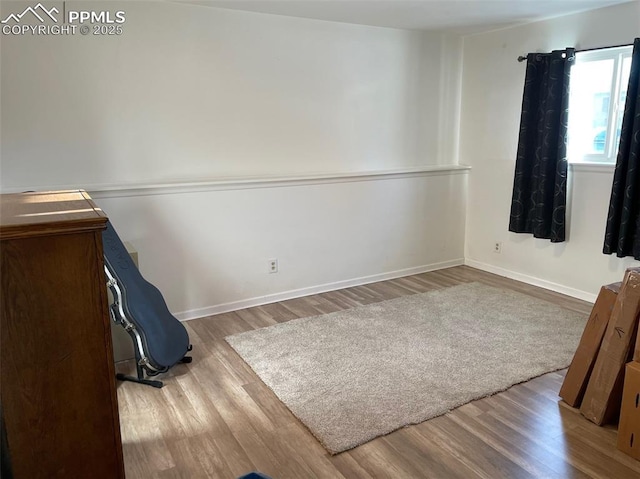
592,167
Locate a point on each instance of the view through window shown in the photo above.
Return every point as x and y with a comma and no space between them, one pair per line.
598,89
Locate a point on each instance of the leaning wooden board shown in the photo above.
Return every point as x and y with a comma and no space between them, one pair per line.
575,382
629,427
603,395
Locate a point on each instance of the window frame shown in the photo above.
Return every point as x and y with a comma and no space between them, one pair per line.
618,55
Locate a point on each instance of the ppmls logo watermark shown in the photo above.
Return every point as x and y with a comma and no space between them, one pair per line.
42,20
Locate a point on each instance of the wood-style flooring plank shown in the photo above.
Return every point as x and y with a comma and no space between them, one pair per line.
427,455
513,445
214,418
278,312
471,450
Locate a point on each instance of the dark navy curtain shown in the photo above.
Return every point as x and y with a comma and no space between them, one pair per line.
622,235
540,183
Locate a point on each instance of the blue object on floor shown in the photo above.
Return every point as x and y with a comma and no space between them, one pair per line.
159,339
164,339
254,475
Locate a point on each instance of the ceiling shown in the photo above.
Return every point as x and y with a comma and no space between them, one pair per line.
460,16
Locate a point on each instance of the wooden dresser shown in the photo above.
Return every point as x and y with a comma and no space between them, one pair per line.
57,386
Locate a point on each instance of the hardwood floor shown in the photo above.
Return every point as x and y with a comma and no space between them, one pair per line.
215,419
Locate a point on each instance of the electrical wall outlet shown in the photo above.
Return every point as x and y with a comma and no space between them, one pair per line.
273,266
497,247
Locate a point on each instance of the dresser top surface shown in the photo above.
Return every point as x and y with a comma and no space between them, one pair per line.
49,212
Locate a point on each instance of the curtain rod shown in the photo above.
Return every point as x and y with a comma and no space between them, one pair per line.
523,58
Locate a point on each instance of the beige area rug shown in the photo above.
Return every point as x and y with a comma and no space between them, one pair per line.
353,375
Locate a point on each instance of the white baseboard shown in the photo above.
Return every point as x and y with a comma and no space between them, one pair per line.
558,288
323,288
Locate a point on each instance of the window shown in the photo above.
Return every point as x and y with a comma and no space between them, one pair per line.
598,89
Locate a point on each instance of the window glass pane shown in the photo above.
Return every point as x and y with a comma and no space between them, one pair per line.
589,107
624,84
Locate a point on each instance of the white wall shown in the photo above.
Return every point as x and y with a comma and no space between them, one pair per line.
190,93
491,101
208,251
194,92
